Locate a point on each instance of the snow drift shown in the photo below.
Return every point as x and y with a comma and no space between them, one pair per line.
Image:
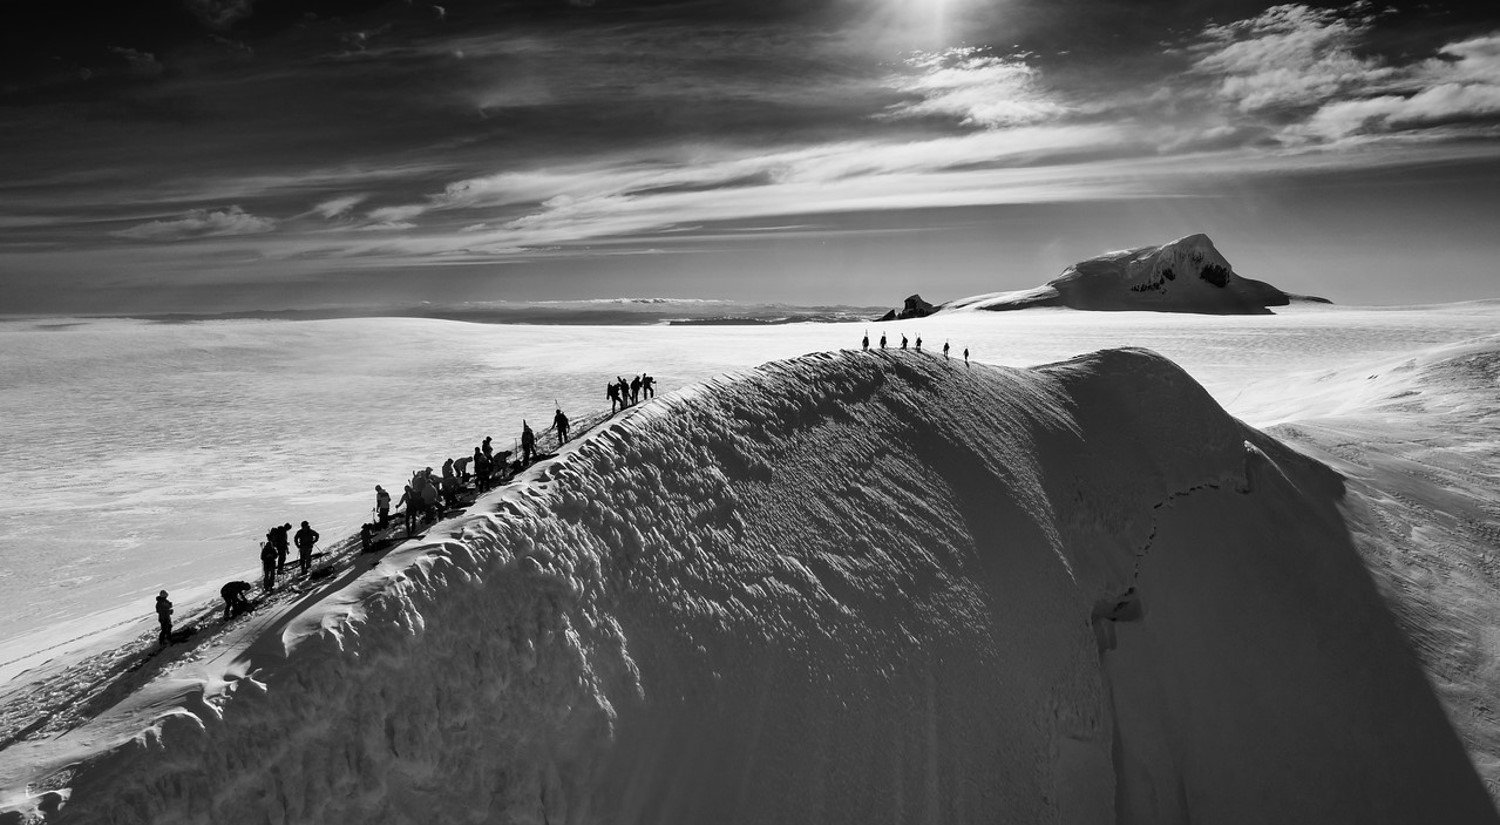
858,588
1185,275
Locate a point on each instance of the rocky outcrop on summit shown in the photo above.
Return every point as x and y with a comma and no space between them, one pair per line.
1186,275
914,307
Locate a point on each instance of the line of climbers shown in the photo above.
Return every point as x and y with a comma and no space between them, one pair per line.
622,393
426,498
865,345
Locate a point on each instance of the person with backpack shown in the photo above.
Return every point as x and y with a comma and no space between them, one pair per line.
919,343
945,350
432,499
279,538
305,538
560,422
528,443
966,355
903,342
382,505
612,392
486,449
635,390
882,340
164,615
648,386
481,471
865,344
233,595
268,566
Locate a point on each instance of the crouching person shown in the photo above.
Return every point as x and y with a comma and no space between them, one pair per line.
235,602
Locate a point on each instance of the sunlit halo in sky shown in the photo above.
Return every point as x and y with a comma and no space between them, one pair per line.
928,23
686,150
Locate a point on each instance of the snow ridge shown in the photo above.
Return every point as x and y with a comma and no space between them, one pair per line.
853,587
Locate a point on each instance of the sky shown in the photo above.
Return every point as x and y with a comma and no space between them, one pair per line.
229,155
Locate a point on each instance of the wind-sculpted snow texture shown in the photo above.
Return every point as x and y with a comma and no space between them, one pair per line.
853,588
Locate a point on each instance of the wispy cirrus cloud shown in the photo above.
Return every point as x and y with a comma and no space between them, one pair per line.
975,88
575,202
398,136
1301,73
340,206
1289,56
1461,85
219,14
200,223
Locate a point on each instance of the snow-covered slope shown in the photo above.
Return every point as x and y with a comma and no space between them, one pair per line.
860,588
1418,439
1186,275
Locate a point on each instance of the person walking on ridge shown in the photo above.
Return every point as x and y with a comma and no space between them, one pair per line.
408,504
481,464
903,341
560,421
233,595
945,350
528,442
268,566
279,537
164,615
612,392
485,448
966,356
382,506
919,343
305,538
635,390
864,343
882,340
648,386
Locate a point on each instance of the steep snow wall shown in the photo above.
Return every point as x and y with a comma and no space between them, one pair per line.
858,588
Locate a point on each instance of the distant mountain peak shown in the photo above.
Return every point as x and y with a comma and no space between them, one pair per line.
1188,274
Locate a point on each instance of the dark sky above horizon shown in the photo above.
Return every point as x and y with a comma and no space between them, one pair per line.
217,155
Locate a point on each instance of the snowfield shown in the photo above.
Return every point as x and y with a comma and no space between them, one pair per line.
882,587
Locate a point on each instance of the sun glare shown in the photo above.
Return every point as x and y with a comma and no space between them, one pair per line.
930,23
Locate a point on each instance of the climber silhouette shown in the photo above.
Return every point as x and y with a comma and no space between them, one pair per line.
164,615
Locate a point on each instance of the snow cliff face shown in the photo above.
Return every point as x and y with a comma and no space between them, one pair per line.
859,588
1186,275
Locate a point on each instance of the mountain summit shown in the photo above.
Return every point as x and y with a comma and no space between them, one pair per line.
1186,275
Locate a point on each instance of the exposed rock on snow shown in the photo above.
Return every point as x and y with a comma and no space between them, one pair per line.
1186,275
914,307
862,588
